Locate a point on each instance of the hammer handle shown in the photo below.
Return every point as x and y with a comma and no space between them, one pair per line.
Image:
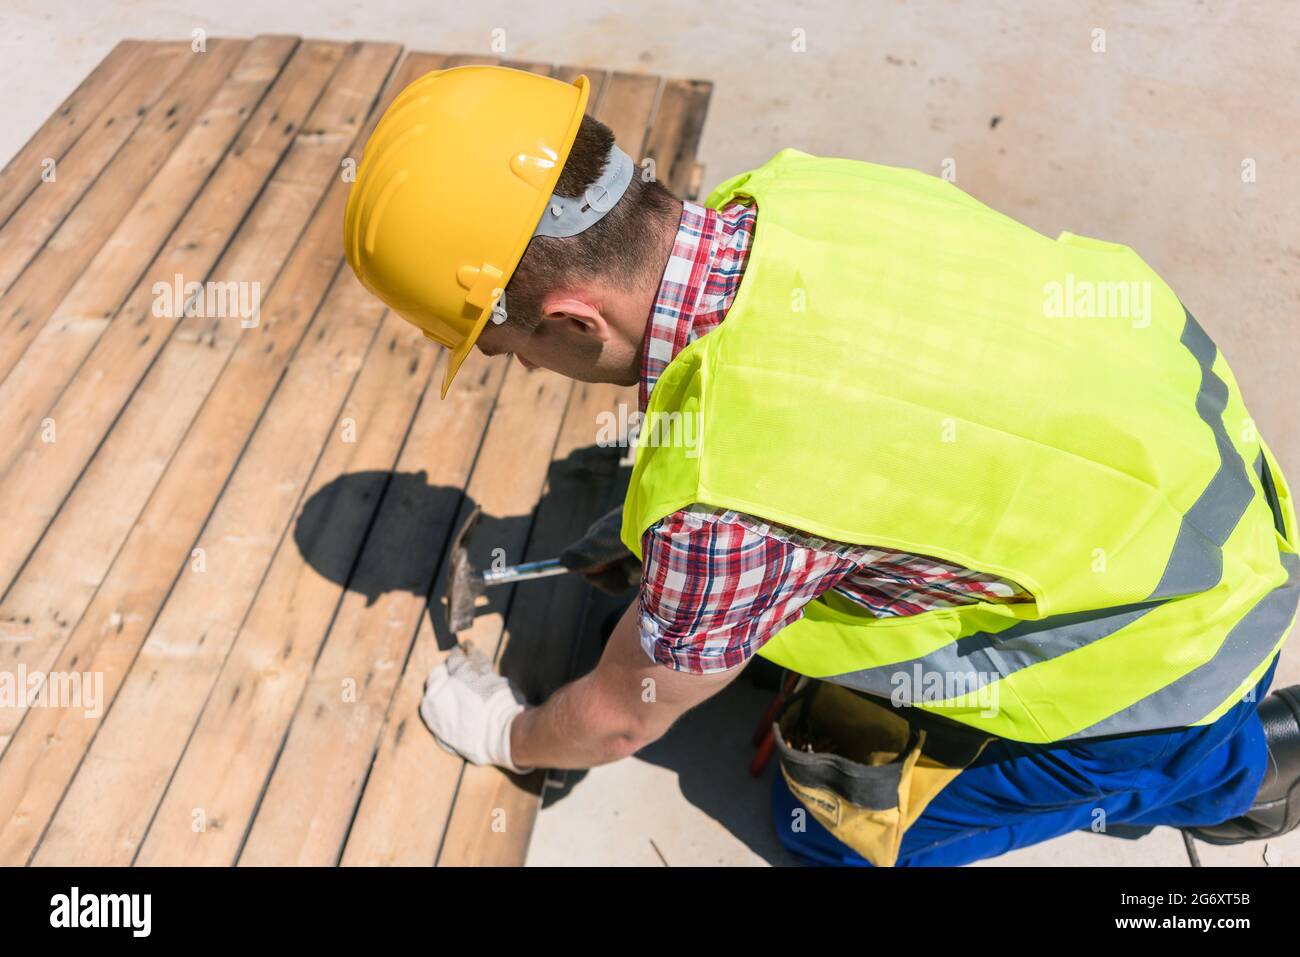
523,572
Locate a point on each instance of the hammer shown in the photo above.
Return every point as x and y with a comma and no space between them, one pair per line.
465,582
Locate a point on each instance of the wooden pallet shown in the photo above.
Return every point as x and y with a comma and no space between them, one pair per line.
237,530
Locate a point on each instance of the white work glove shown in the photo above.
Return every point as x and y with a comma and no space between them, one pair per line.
469,708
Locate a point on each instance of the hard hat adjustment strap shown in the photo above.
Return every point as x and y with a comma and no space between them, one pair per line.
566,216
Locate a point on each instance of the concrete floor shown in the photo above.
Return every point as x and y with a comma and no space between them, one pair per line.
1143,143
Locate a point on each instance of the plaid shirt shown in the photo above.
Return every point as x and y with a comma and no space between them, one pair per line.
717,584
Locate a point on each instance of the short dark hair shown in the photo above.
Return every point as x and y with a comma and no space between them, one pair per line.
619,246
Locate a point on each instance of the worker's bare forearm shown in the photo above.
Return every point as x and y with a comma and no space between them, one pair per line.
574,730
626,703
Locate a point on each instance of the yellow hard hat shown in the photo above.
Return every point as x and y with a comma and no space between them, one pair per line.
452,186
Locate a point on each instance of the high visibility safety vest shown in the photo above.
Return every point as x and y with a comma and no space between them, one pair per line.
906,368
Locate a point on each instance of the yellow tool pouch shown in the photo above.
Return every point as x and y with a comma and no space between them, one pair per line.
862,769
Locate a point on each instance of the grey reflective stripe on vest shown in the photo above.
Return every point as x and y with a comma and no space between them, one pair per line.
984,657
1183,702
1195,565
1196,562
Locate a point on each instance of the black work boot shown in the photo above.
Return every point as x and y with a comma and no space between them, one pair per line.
1277,805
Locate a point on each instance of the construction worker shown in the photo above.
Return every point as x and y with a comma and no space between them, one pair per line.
996,497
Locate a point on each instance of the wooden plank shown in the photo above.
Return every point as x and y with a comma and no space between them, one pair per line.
492,817
332,741
583,479
129,599
413,782
69,563
234,747
531,66
675,135
596,77
78,548
403,817
312,794
106,809
238,737
470,59
41,473
626,107
45,206
23,173
99,285
144,577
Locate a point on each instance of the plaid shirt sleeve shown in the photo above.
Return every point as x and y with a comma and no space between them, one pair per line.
717,585
714,589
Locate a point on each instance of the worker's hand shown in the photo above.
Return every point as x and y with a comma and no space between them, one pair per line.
601,556
469,709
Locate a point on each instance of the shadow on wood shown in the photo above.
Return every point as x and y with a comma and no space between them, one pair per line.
413,508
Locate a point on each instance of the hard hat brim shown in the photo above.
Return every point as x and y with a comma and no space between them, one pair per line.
457,356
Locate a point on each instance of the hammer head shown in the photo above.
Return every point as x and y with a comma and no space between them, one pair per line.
464,583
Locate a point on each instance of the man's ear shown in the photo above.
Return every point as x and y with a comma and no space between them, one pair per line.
583,316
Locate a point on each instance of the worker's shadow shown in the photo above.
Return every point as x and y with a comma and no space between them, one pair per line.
403,546
379,532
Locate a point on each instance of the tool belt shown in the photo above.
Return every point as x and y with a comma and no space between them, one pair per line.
866,770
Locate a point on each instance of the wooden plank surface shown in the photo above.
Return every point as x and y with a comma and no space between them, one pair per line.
226,764
70,562
106,489
132,757
241,526
146,570
409,812
492,816
85,371
23,173
334,735
119,257
73,174
412,784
